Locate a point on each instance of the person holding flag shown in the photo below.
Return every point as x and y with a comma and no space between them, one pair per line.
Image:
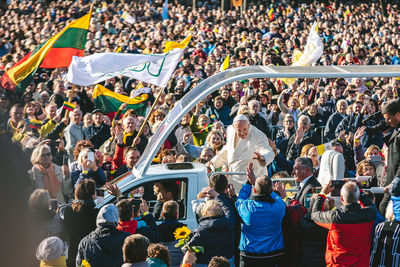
57,52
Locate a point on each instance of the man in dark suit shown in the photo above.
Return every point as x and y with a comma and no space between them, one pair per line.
391,113
303,173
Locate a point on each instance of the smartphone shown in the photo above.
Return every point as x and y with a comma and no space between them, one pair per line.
376,158
65,160
99,192
337,184
90,156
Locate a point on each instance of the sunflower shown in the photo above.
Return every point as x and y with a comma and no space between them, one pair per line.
85,264
182,233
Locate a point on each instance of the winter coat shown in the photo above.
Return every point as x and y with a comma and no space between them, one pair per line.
167,229
294,150
78,225
261,124
102,247
350,227
97,134
262,222
220,115
77,175
215,234
312,243
332,123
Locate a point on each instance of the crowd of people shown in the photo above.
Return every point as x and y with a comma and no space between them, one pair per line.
264,127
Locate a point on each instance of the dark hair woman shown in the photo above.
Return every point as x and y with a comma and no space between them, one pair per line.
80,217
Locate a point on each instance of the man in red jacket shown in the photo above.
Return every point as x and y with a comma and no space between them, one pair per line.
349,226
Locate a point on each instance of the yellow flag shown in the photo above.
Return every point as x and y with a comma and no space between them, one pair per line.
118,49
215,30
243,38
171,44
225,64
270,12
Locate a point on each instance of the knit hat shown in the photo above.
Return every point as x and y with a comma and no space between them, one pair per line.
108,216
50,249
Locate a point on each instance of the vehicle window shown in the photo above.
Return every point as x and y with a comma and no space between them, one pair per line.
157,192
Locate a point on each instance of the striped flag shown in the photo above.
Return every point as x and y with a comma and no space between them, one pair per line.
225,64
57,52
109,102
271,14
68,106
34,124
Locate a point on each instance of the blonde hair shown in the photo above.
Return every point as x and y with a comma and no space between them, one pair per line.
37,153
211,209
369,150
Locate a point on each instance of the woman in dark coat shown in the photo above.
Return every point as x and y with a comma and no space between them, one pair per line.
80,217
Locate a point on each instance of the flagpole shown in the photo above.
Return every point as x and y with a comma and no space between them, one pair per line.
147,117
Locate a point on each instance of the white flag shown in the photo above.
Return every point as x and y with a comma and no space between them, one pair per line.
154,68
313,49
128,18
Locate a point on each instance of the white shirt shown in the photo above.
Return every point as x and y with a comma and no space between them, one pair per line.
302,183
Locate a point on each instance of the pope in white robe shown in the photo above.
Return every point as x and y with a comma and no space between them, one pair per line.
244,144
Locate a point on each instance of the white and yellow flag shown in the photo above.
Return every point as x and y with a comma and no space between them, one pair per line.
225,64
156,69
128,18
312,52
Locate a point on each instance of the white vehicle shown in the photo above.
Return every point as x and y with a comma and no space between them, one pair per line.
192,177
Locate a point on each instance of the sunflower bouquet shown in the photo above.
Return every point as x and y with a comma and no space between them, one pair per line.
182,235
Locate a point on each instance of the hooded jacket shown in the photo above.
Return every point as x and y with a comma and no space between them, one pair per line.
215,234
103,246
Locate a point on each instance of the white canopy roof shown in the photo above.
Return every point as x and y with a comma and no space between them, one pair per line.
218,80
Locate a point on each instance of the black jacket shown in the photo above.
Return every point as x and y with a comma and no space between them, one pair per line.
215,234
333,122
78,225
306,189
282,141
142,144
261,124
349,124
102,247
294,150
393,164
312,243
97,134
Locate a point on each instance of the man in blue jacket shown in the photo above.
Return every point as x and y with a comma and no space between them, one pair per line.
261,242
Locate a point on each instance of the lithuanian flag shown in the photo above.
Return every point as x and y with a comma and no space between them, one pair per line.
109,101
57,52
68,106
34,124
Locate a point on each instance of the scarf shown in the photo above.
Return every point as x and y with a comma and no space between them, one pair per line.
126,135
50,180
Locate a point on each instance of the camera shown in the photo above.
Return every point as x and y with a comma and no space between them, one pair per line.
337,184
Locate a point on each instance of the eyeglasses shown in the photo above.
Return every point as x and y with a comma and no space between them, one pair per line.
46,155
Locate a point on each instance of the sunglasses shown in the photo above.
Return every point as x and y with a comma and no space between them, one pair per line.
46,155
